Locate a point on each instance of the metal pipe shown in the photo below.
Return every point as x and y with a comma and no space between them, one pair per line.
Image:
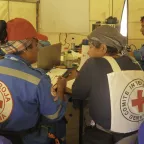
109,7
127,20
112,7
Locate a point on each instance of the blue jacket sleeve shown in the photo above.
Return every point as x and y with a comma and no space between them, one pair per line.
137,55
53,110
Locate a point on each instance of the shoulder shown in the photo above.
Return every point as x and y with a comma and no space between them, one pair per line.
39,73
25,72
44,79
128,63
126,59
95,64
97,61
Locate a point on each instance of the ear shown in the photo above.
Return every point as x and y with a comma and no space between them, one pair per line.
104,48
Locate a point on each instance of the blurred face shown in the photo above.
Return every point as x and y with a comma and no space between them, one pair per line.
97,52
142,27
31,54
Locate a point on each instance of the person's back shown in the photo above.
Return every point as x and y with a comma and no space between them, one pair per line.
29,104
113,85
99,94
114,113
19,87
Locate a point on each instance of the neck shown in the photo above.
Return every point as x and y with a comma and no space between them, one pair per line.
18,57
114,56
23,56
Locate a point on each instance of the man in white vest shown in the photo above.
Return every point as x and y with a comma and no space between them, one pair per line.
114,85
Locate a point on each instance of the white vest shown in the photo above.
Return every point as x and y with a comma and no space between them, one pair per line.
126,97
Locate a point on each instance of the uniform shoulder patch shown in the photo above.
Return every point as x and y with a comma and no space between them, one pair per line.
6,102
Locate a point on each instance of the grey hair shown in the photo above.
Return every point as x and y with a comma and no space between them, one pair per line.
95,43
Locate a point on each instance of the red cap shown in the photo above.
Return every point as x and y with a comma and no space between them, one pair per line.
20,29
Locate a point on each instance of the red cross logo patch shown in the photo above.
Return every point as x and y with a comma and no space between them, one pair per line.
6,102
132,101
139,102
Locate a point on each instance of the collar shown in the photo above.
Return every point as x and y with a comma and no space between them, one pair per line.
17,58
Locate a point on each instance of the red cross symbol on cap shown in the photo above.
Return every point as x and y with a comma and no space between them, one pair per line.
139,101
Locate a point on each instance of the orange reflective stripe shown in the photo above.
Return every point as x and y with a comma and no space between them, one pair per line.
55,115
52,136
19,74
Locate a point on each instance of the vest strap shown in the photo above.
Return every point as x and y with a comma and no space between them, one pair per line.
113,63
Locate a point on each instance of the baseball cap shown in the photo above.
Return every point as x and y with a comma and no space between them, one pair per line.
44,43
20,29
109,36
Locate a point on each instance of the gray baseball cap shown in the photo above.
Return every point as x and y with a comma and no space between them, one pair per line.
109,36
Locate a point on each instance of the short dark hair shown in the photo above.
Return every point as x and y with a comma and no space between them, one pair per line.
3,31
111,51
95,43
142,19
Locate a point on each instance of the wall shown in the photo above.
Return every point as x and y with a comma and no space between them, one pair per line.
99,11
10,10
4,10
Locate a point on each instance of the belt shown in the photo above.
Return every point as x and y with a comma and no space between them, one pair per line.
102,129
93,124
111,132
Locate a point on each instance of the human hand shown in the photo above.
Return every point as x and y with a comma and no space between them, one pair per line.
61,84
54,92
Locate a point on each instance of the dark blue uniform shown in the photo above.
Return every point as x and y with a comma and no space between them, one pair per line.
139,56
25,95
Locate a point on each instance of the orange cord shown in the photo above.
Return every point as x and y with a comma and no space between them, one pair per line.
52,136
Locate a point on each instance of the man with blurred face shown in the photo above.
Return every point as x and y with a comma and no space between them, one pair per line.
28,105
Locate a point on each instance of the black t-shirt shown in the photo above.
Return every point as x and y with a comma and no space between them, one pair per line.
92,83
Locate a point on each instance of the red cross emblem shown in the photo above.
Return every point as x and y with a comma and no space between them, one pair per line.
139,101
1,104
